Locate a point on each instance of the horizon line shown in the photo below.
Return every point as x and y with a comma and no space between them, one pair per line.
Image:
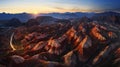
58,12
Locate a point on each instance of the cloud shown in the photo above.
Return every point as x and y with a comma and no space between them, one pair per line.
76,9
67,9
59,8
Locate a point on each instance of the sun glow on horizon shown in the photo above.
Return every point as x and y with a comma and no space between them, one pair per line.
35,12
49,6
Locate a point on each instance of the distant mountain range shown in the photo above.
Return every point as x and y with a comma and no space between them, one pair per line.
24,17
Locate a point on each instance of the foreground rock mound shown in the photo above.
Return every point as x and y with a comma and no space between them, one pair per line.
64,45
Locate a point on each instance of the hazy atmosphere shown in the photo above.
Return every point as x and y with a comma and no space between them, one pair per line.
47,6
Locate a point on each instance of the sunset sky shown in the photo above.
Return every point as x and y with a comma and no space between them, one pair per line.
47,6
